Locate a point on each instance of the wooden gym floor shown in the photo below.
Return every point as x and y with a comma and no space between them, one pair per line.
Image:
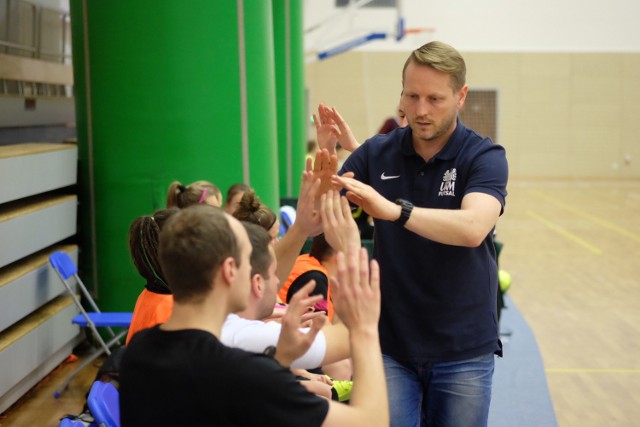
573,251
39,408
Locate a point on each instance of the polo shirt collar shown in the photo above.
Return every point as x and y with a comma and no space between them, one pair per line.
448,152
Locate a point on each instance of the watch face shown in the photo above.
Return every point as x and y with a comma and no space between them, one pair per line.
404,203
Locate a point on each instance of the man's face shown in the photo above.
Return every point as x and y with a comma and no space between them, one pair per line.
271,284
430,103
242,283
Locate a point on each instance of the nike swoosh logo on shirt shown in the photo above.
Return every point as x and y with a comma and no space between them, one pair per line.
385,177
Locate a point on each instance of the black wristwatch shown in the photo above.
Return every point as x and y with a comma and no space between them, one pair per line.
405,213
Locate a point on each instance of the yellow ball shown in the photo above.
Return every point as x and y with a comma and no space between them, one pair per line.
504,279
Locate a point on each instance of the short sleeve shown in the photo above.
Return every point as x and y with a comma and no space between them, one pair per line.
322,283
490,173
254,336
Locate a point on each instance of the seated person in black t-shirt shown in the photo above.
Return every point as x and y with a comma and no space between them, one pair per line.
179,373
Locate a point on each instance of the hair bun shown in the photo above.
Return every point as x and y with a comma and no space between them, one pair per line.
251,201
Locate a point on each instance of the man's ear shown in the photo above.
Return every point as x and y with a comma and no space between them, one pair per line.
228,270
462,96
257,285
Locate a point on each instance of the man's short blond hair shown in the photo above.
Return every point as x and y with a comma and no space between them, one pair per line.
443,58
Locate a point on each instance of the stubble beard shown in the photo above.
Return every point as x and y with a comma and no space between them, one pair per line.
438,132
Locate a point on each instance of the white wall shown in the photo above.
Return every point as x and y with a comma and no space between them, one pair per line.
567,75
487,25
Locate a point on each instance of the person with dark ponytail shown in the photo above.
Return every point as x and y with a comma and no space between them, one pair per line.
196,193
155,303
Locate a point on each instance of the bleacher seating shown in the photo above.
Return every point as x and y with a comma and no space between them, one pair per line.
38,212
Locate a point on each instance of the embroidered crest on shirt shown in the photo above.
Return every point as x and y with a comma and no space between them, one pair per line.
448,185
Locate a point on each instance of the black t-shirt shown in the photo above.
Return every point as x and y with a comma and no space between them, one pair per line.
188,378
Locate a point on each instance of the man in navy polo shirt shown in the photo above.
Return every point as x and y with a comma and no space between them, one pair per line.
436,189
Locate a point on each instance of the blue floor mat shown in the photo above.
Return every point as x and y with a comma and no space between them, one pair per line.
520,394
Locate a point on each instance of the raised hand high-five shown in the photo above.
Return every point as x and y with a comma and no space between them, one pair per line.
324,167
331,128
357,290
293,342
340,229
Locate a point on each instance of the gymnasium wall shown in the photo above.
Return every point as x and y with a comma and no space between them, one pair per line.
36,77
566,76
560,115
486,26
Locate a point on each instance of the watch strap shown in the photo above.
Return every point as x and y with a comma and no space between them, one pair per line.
405,212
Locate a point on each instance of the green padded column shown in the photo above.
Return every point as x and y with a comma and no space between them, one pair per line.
261,101
159,98
289,51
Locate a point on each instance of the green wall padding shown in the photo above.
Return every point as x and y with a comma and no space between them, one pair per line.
289,51
263,137
159,100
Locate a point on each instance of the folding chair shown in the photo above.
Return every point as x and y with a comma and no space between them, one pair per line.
66,269
104,405
74,421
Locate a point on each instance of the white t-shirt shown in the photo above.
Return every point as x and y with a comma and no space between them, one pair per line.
255,335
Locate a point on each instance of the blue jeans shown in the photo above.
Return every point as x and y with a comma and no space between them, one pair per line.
443,394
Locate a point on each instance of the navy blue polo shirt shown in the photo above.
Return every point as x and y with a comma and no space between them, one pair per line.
438,301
